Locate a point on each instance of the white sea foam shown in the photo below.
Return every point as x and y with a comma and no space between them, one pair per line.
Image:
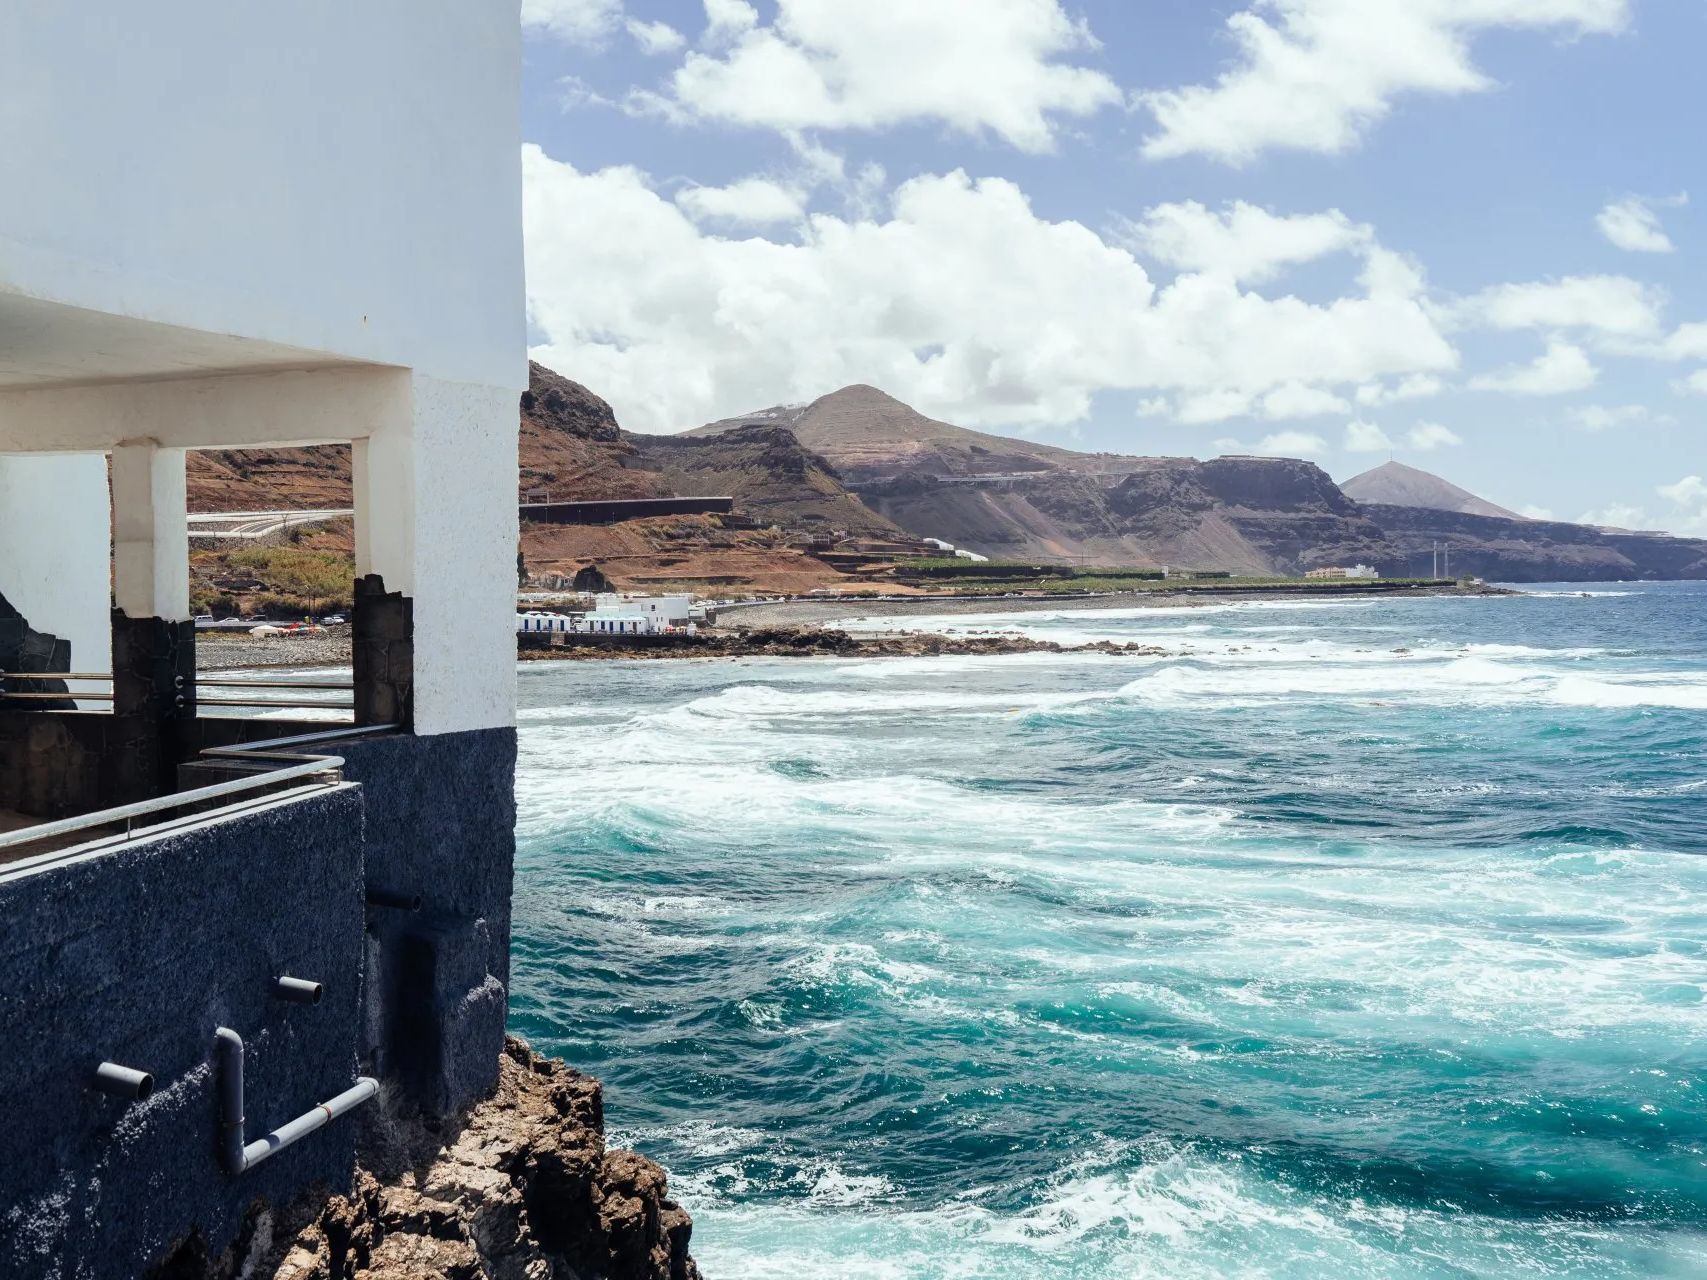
1171,1214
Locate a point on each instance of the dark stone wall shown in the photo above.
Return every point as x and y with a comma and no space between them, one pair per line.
441,814
382,652
22,648
135,956
154,680
58,764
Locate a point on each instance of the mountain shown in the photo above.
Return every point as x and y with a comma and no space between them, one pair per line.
867,435
859,461
1396,485
769,474
1256,516
1512,549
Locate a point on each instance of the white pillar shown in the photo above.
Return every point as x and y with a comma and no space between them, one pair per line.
53,552
435,495
151,543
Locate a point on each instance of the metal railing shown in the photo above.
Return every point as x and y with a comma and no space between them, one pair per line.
316,686
292,765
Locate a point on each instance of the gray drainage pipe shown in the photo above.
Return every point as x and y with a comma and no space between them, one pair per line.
239,1156
123,1082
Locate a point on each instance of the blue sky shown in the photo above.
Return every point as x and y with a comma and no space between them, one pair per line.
1469,233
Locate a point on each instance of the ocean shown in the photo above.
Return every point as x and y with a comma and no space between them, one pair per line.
1357,938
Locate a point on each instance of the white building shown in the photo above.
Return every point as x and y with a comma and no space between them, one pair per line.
244,225
1342,572
229,225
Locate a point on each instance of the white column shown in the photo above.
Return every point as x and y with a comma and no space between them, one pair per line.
151,544
435,495
53,552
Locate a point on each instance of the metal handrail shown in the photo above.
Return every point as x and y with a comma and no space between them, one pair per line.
309,766
56,675
201,682
64,695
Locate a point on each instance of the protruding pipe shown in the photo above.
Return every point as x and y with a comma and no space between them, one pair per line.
123,1082
239,1156
399,899
297,990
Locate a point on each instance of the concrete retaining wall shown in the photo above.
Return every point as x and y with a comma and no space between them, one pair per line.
441,816
136,956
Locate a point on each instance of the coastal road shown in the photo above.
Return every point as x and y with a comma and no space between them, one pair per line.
258,524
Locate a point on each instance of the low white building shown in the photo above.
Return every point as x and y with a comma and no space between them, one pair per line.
1343,572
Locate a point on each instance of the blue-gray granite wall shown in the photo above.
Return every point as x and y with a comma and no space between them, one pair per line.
135,956
441,816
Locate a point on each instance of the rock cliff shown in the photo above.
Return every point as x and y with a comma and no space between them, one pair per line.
524,1189
1517,550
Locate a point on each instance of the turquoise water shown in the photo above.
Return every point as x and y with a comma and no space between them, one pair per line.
1359,939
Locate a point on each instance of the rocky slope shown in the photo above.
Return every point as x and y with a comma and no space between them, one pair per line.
770,474
1395,484
868,435
525,1189
862,462
1256,516
1517,550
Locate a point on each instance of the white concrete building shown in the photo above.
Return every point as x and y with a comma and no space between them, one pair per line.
1359,572
226,225
243,225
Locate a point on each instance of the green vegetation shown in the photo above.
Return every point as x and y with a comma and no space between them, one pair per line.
293,582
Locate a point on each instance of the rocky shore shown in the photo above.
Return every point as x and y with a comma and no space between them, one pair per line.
813,642
524,1188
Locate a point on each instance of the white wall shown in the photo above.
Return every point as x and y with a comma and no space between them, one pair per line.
53,560
341,176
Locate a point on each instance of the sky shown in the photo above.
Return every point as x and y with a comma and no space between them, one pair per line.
1467,234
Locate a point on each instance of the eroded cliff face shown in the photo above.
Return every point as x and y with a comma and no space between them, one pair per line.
1515,550
770,474
1255,516
524,1189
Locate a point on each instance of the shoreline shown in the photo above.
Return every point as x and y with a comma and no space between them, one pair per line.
829,610
808,628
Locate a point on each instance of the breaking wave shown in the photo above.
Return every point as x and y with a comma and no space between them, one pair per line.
1364,941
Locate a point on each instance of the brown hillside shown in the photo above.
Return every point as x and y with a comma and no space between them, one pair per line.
1395,484
867,434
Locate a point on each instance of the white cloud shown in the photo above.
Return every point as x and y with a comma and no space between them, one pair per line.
1688,498
1631,224
1687,492
1295,400
655,38
1426,437
957,297
1289,444
726,19
1694,384
1534,512
1002,67
1315,75
1243,241
1616,306
1366,437
585,22
1618,515
1416,386
1687,342
1600,417
749,202
1561,368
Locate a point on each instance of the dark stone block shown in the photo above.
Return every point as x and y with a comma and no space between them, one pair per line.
440,822
382,650
25,649
135,956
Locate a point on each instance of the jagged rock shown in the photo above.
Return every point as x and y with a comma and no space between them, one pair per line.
523,1189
